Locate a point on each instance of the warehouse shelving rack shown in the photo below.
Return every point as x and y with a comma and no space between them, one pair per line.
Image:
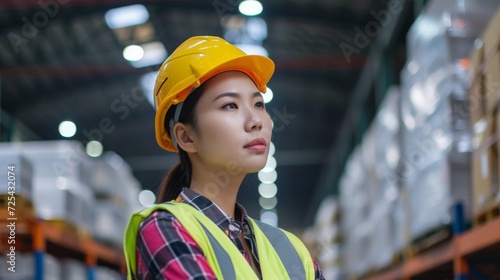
60,240
470,254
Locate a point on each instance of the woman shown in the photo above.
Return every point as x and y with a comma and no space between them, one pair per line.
210,110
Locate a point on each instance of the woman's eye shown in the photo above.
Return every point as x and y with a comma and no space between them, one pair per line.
230,106
260,105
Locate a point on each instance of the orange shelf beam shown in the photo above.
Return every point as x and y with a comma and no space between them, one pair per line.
41,232
92,250
419,264
59,236
108,254
393,273
455,250
429,260
479,238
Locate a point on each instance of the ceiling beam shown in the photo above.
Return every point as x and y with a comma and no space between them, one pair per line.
34,4
312,12
320,62
324,62
315,12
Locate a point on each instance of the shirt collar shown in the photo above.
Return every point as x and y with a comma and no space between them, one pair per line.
210,209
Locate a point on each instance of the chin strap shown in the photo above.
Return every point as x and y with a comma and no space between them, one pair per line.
174,120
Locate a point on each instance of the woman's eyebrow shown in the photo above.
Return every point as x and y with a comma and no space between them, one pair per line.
256,94
230,94
235,95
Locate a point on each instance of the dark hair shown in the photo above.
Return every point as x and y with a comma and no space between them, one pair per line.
179,175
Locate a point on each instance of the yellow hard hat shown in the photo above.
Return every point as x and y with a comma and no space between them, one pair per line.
191,64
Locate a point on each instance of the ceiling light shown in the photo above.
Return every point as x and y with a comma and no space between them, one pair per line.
270,164
67,129
268,190
94,148
154,53
272,149
257,28
269,217
268,203
126,16
114,160
147,82
250,7
268,96
253,49
147,198
133,53
268,177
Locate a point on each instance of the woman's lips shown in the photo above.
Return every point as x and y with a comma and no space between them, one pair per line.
257,144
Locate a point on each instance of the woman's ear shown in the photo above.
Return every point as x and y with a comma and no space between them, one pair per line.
182,134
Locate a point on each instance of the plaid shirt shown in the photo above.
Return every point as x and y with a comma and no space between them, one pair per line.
166,249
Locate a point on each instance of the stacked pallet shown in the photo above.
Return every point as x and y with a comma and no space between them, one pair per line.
400,185
373,220
484,95
67,205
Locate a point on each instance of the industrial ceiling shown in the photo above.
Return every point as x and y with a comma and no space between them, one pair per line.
59,60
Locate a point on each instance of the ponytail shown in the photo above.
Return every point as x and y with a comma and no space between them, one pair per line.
177,178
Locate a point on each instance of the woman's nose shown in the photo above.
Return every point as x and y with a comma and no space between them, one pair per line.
254,122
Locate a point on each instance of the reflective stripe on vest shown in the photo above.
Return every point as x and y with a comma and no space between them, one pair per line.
281,255
223,259
286,252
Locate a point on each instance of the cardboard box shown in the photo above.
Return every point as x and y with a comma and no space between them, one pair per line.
484,164
496,187
477,60
492,85
477,100
492,74
491,36
485,60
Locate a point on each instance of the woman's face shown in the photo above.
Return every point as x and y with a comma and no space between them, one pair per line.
233,129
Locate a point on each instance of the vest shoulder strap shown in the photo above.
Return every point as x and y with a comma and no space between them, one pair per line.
292,253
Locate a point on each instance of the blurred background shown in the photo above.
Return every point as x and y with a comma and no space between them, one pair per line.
384,158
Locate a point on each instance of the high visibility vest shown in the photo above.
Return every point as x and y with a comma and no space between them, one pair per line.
281,254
